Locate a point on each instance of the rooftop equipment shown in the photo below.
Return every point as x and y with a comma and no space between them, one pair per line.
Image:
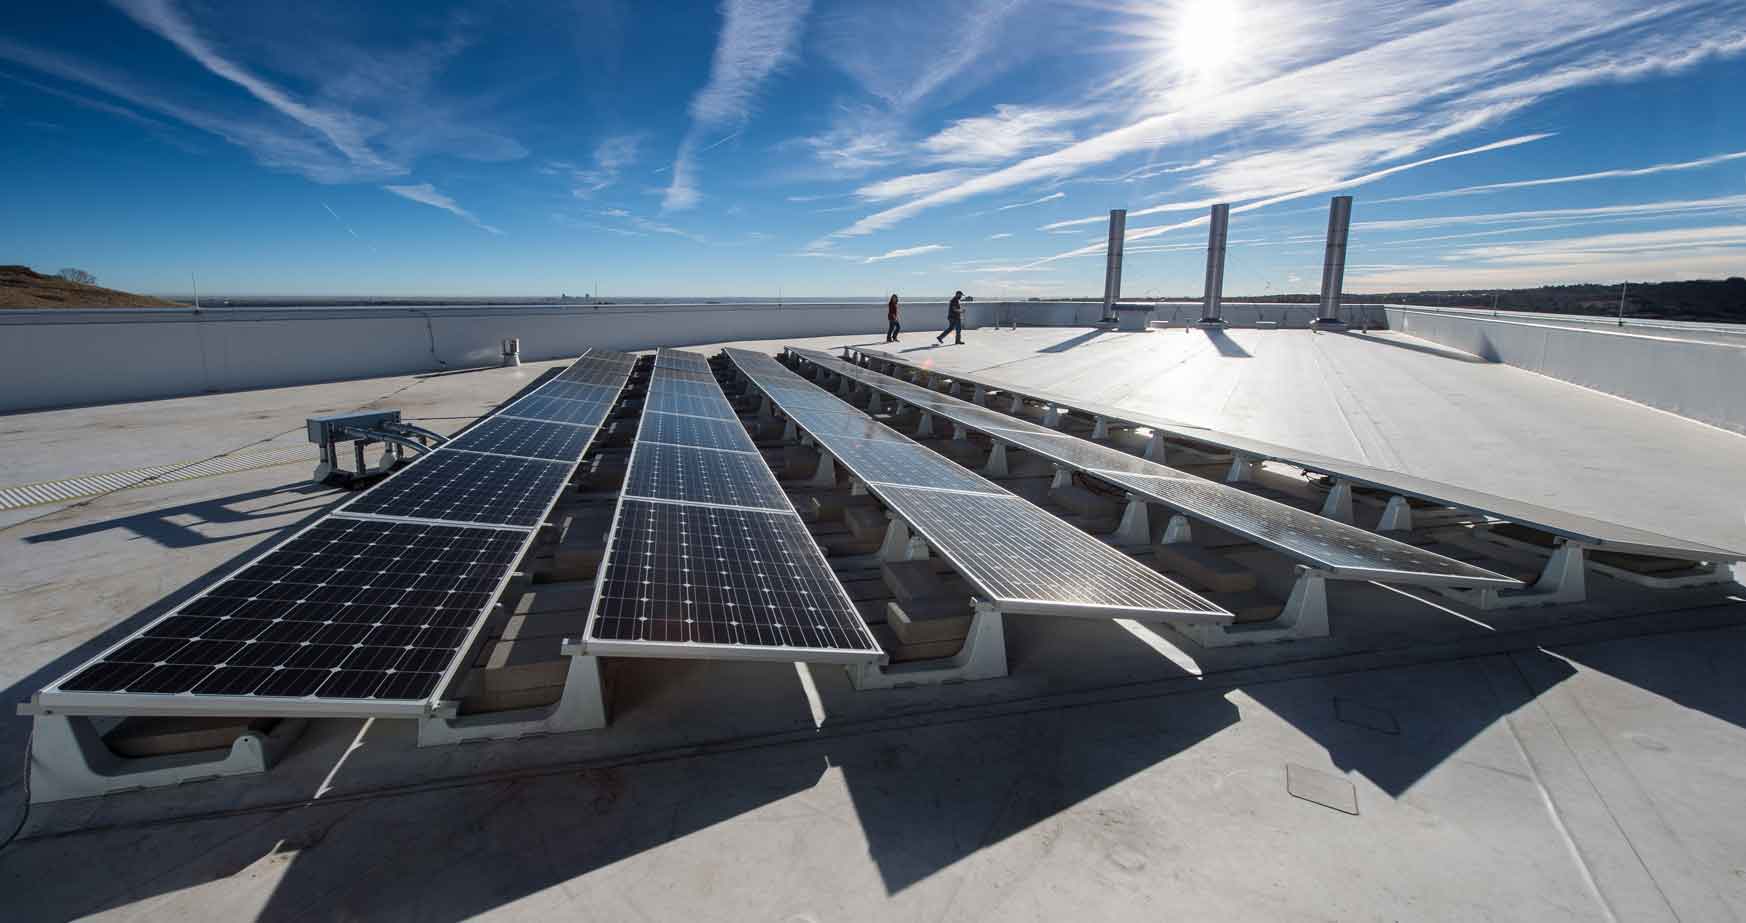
363,429
1219,221
1334,262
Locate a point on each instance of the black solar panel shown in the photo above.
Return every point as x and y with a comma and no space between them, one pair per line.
689,575
558,410
575,391
668,374
527,438
664,384
467,487
887,462
349,609
856,426
695,405
671,472
1075,452
1030,560
702,432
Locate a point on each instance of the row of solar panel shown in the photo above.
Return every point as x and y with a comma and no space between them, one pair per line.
1341,549
354,616
1014,553
707,557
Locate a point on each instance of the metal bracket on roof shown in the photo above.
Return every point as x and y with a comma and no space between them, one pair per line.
826,475
874,405
1338,505
1063,477
1136,524
1397,516
68,759
983,656
1564,579
1017,404
1052,416
765,411
1242,469
1155,448
899,544
925,426
960,433
1177,531
1100,428
997,466
580,707
979,396
1305,615
789,432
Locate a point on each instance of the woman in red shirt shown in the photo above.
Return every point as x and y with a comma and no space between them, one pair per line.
891,316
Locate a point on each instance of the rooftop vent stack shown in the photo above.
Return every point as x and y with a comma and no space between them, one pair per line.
1210,314
1112,270
1334,263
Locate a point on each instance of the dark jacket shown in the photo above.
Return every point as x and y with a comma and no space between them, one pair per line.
956,308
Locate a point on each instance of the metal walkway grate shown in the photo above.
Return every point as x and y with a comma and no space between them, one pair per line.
91,485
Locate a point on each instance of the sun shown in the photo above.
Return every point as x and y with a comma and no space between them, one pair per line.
1204,38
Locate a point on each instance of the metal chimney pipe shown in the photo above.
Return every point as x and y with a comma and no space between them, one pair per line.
1215,265
1334,263
1112,269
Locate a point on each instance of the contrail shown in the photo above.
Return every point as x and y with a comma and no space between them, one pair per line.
342,222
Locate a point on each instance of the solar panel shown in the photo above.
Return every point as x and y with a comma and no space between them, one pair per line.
678,359
696,581
558,410
355,611
664,383
854,426
1344,550
467,487
527,438
672,472
888,462
1030,561
576,391
697,406
669,374
1075,452
702,432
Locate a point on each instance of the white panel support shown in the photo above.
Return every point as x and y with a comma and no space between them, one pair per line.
900,544
1338,505
1242,470
997,464
826,475
959,433
765,410
874,405
1063,477
1016,404
1155,451
1397,516
1136,524
1177,531
925,427
983,656
1052,416
1100,428
1305,616
1564,579
580,707
789,432
857,487
68,760
980,396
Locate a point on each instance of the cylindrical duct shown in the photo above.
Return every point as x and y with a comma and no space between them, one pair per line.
1334,263
1215,263
1112,270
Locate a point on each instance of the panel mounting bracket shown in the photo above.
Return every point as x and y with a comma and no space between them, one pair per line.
1305,616
983,656
68,759
580,707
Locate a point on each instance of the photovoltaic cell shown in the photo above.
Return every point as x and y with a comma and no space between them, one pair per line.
701,432
528,438
1029,560
671,472
572,391
349,609
689,576
697,406
1075,452
885,462
1342,549
467,487
558,410
855,426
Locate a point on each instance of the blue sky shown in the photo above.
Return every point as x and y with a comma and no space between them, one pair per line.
831,148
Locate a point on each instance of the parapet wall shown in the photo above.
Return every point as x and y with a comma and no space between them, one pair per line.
1692,370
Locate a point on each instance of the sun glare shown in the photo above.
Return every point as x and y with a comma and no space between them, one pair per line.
1204,36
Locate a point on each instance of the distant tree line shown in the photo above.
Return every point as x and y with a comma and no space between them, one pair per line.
77,275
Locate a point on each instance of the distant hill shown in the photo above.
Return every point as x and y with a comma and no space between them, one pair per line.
22,288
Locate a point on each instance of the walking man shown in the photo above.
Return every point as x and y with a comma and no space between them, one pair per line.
954,319
895,328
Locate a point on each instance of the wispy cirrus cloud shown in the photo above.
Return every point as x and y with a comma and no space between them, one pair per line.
757,38
902,187
1006,133
902,252
610,157
1623,173
1359,91
1677,253
427,194
1048,198
1001,236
